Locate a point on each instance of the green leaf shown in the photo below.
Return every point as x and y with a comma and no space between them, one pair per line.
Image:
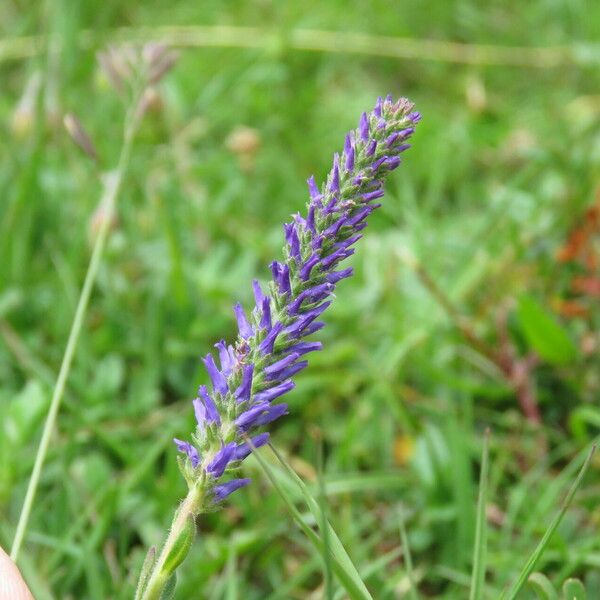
145,572
573,589
480,548
544,590
181,547
544,334
537,553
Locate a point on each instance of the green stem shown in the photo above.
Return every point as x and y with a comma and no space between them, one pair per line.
112,187
161,572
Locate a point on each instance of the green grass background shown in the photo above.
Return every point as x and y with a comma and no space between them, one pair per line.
503,165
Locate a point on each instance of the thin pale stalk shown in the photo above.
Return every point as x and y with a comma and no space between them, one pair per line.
338,42
112,188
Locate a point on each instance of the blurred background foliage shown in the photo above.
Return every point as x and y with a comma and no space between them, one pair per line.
474,305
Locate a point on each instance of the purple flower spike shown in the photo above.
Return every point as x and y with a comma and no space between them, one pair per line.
350,160
218,379
189,450
276,272
330,207
271,414
242,393
378,107
372,195
265,320
274,392
266,346
258,293
313,328
290,371
392,163
244,449
334,186
225,357
259,367
281,276
372,146
349,153
307,267
364,127
281,364
199,412
305,347
336,276
347,144
361,215
300,220
243,325
347,243
375,166
317,244
313,190
310,219
312,294
295,329
286,286
291,237
247,418
338,255
221,491
392,138
205,408
221,459
332,230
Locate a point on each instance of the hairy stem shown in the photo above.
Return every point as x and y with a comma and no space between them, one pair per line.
160,573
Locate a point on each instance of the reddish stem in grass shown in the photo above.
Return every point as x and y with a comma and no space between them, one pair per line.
516,371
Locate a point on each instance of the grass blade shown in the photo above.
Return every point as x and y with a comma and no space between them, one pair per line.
341,563
338,551
414,595
537,553
480,547
323,525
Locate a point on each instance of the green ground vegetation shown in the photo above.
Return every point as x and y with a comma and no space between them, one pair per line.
461,316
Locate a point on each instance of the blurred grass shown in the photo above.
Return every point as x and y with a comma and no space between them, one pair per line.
504,164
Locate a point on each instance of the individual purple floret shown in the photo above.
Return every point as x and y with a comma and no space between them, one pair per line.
271,347
221,491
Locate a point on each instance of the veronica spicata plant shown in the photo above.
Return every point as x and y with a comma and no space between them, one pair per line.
257,370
